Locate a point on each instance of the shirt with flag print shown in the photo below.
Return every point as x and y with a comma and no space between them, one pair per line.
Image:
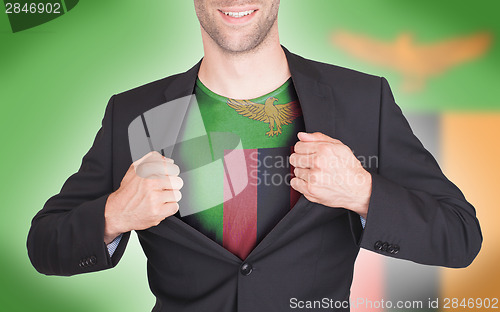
235,158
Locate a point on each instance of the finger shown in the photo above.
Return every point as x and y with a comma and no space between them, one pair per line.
302,160
171,183
157,157
132,170
157,169
301,186
302,174
164,183
170,196
152,156
310,176
172,169
320,148
302,147
316,137
171,208
143,158
150,170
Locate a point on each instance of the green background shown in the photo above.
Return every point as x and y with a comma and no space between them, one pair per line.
55,80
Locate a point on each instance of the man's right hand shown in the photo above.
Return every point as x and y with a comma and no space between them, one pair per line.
148,193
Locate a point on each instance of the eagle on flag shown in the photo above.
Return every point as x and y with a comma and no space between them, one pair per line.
274,115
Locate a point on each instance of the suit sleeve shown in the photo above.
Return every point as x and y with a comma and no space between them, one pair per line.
415,212
67,236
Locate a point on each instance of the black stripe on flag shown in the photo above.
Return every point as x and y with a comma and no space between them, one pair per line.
273,188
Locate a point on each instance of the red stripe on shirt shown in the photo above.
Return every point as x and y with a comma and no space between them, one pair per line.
294,195
240,201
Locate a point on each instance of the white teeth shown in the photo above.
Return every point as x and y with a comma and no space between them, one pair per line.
239,14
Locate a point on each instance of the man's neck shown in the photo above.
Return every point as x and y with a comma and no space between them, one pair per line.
244,76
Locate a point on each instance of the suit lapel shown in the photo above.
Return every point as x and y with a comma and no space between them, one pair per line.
316,98
317,103
183,84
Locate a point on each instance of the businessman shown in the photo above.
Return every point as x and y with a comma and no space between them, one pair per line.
255,248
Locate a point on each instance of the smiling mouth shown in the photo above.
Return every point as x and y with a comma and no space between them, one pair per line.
238,14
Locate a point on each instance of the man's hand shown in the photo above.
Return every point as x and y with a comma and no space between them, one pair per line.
148,193
328,173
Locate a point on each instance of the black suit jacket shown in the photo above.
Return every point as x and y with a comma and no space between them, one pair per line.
415,212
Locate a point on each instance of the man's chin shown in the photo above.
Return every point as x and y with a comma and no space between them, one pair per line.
240,45
239,49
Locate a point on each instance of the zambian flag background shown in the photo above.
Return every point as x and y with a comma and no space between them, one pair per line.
441,58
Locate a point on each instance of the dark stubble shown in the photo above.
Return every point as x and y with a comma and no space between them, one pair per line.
251,41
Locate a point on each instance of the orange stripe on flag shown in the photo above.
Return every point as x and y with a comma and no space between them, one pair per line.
471,159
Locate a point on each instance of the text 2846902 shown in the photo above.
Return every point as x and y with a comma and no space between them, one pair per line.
32,8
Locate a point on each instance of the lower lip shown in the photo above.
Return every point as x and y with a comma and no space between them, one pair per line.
237,20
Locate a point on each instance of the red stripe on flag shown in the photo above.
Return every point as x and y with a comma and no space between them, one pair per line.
367,290
294,195
240,212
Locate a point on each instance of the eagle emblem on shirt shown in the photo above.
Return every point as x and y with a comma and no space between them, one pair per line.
274,115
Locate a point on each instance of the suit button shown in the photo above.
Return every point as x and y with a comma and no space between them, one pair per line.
378,245
396,249
93,260
87,262
390,249
246,269
82,263
384,246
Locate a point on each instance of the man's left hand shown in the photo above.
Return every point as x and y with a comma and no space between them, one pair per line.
328,173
